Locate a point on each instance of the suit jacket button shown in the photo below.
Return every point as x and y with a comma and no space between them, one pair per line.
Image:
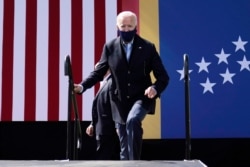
128,97
128,84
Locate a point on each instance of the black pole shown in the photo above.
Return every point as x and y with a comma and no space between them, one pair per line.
187,108
69,133
77,126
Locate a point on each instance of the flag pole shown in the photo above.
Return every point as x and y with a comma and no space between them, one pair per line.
187,108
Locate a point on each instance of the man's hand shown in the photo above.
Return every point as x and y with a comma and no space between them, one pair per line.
150,92
90,130
78,88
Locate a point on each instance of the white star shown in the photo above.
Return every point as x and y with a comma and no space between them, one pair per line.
182,72
203,65
208,86
244,64
239,44
222,56
227,76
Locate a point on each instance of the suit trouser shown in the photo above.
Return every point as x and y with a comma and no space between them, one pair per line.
130,134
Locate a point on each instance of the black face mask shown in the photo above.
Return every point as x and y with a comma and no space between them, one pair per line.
127,36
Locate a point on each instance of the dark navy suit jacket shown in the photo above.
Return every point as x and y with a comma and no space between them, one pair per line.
101,110
130,78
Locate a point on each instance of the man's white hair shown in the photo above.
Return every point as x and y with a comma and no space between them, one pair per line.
126,14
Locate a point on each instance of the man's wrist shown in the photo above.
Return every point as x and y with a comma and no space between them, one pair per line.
80,88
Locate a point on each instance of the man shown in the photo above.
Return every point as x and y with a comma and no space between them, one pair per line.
102,125
133,93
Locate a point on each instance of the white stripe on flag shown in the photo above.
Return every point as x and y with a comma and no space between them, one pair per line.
19,60
1,55
111,12
88,60
88,50
42,61
65,49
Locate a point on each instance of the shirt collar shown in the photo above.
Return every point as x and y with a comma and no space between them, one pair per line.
131,42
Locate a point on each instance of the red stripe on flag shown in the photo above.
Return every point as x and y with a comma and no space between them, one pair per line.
76,46
100,30
119,6
30,61
7,62
53,69
131,5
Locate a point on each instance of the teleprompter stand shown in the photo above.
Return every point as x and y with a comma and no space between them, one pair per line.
72,154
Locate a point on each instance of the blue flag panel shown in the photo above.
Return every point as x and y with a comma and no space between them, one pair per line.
216,36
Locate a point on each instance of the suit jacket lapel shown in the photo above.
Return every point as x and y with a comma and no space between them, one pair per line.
120,53
136,52
104,84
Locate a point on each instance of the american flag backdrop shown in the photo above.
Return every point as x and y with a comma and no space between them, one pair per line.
37,35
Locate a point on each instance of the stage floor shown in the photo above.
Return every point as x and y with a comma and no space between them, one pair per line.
66,163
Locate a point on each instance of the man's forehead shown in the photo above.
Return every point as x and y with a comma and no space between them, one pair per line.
127,21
